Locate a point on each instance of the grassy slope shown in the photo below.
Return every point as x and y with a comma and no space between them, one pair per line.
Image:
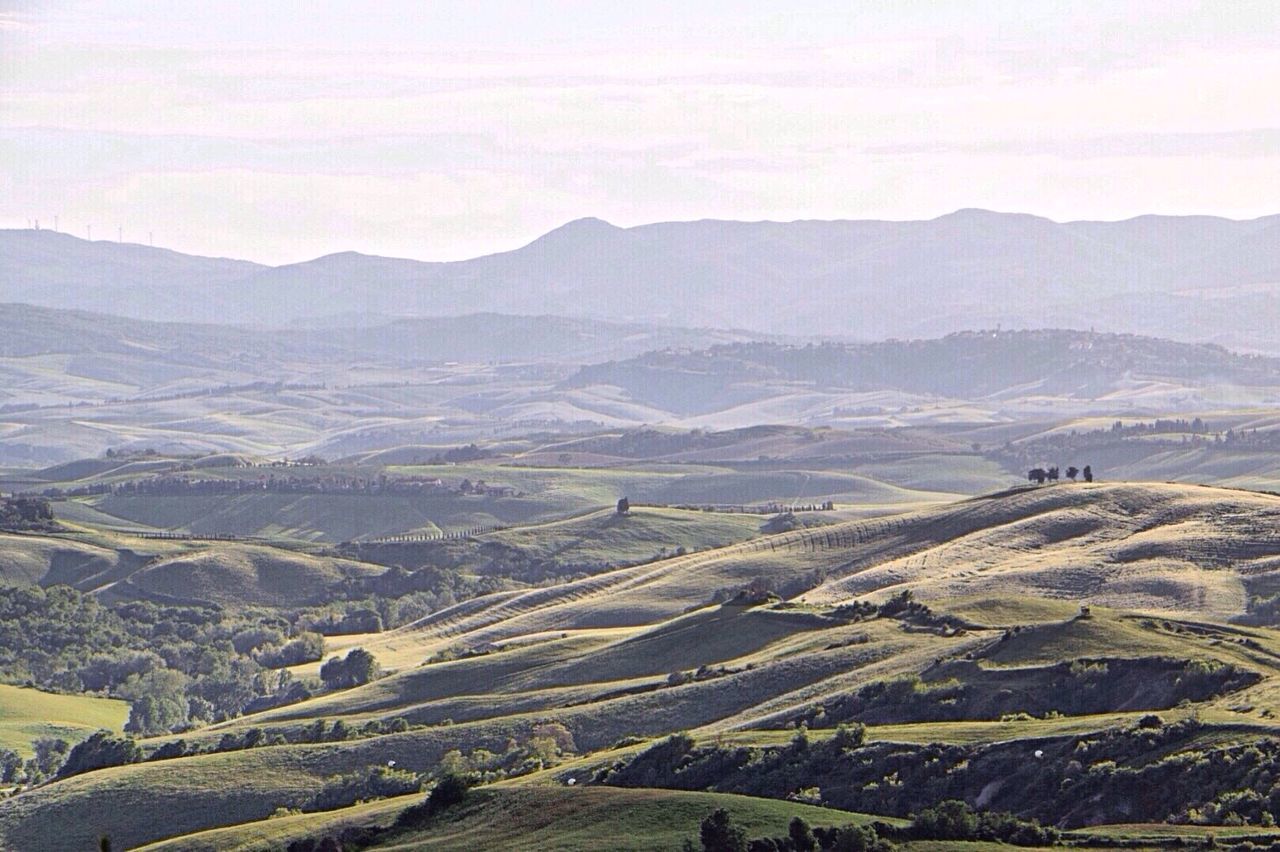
605,536
231,574
534,819
27,714
122,566
547,493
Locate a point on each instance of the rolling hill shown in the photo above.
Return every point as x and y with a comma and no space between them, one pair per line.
991,634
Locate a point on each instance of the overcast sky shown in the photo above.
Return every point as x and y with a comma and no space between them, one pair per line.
281,131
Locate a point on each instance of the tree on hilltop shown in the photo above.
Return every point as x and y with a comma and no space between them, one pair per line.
1072,473
1087,473
1037,475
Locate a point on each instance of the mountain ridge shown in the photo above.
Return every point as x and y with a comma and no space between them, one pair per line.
1197,277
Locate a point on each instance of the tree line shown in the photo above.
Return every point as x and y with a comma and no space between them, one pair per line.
1040,475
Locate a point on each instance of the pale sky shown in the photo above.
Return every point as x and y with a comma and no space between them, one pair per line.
281,131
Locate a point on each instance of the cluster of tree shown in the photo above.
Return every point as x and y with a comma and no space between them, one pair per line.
458,455
374,782
400,595
50,752
965,690
179,665
1040,475
719,833
1154,436
185,484
358,667
951,820
547,744
26,514
448,791
1107,776
56,758
903,607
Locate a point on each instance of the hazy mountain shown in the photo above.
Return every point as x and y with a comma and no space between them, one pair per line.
1200,278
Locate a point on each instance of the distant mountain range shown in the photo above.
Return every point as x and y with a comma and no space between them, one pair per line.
1195,278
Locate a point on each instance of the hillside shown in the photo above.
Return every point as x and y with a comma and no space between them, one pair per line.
123,567
986,366
1171,276
79,384
28,714
989,654
535,819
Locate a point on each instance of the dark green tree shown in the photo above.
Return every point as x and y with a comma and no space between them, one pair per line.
802,839
719,834
102,749
948,820
50,753
10,766
358,667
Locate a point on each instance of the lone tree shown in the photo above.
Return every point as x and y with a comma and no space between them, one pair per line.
802,839
719,834
1072,472
1087,473
1037,475
624,506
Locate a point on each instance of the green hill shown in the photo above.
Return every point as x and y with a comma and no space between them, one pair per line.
27,714
533,819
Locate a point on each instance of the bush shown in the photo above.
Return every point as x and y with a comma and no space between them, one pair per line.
948,820
450,790
849,736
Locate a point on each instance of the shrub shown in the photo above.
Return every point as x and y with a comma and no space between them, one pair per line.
948,820
849,736
450,790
